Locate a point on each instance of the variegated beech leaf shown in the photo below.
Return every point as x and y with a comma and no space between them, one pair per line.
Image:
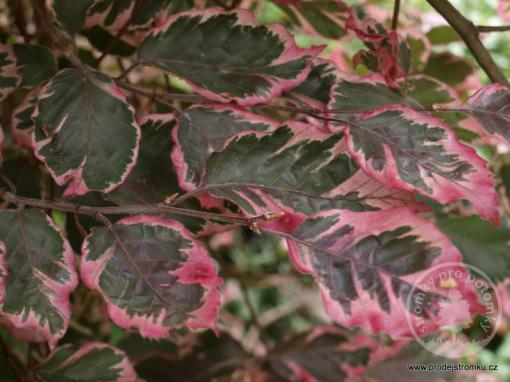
350,95
85,132
317,18
9,76
225,57
414,151
37,276
365,264
491,107
261,167
328,353
152,275
94,361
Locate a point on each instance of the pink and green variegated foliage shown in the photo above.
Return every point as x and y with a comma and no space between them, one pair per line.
93,361
491,107
366,263
9,77
386,51
85,131
412,150
271,63
156,138
37,276
317,18
262,167
328,353
152,275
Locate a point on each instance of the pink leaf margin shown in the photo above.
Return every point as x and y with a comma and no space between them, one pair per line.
177,155
25,326
245,18
479,187
365,311
377,352
73,178
9,70
125,368
199,268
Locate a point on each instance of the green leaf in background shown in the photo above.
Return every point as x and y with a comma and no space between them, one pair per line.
36,64
482,245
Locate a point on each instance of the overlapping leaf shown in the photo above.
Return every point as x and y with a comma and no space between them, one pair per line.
205,129
491,107
263,168
71,14
225,57
317,85
366,263
387,53
9,76
152,178
37,276
410,150
85,132
92,362
35,64
152,275
317,18
348,97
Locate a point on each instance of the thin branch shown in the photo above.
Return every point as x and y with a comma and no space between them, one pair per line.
165,98
470,34
96,212
489,28
169,96
396,11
